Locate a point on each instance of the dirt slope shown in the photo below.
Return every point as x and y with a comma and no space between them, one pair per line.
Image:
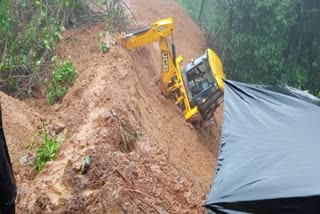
19,124
188,38
167,170
190,42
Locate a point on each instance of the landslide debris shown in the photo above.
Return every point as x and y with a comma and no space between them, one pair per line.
144,158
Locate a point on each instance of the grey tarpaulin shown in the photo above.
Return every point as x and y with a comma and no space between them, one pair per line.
7,181
269,160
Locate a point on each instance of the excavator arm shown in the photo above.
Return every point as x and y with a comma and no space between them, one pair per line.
159,31
182,83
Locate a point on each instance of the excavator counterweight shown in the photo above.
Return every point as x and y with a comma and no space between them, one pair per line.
198,87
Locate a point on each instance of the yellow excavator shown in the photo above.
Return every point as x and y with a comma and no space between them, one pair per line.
198,88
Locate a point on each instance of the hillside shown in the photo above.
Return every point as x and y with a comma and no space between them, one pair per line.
169,167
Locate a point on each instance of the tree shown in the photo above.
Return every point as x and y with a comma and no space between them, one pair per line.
266,42
201,10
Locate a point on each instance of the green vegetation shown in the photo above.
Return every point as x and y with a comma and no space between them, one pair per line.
104,47
29,32
264,42
47,151
63,76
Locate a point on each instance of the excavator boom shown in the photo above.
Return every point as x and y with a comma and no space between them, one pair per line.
159,29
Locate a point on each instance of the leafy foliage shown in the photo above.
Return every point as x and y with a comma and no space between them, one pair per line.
63,77
47,151
104,47
266,42
29,32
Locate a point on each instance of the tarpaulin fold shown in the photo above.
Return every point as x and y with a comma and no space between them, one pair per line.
270,152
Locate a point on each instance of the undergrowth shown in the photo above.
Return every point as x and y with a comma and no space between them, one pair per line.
47,151
63,76
116,16
29,33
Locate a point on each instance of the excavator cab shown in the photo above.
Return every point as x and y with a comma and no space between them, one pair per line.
201,81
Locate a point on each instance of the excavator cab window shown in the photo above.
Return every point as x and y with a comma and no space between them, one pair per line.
200,78
202,86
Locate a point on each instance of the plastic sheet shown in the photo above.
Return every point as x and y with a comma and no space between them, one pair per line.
269,153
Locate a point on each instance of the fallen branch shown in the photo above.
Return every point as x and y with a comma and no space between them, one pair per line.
134,204
137,191
145,99
121,133
141,208
150,205
95,201
124,178
124,139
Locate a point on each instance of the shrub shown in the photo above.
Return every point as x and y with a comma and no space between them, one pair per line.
63,77
29,32
47,151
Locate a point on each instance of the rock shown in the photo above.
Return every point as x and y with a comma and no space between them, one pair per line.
114,113
58,127
27,159
36,114
85,164
108,118
31,159
56,107
163,211
54,129
24,160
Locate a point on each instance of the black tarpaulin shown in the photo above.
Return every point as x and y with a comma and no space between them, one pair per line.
7,181
269,154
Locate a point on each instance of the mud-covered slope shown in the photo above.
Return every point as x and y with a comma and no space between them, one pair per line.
190,42
19,124
145,157
188,38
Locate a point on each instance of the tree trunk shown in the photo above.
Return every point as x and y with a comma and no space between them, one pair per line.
229,29
230,20
201,10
